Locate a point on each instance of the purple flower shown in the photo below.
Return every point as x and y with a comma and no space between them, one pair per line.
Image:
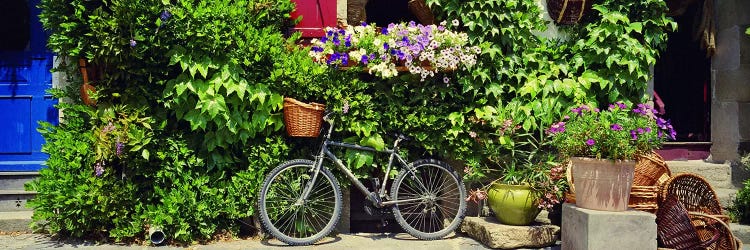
345,59
615,127
133,43
633,135
345,108
567,117
165,15
412,24
118,148
99,169
557,128
363,24
364,59
385,46
647,129
348,41
622,105
640,131
384,31
590,142
446,80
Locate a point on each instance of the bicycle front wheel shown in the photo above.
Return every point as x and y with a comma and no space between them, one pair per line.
437,199
287,216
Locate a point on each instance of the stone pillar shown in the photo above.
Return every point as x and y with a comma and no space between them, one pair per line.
341,12
730,80
590,229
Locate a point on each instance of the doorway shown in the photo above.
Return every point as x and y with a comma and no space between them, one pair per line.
682,79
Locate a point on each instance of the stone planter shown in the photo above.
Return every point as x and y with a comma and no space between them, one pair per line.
602,184
513,204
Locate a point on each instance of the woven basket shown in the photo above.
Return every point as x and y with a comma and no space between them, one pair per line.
567,11
302,119
651,172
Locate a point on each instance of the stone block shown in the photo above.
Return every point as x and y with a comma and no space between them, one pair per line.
355,11
733,85
495,235
727,55
732,12
719,175
590,229
743,114
724,130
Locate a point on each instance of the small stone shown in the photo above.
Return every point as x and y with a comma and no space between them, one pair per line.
495,235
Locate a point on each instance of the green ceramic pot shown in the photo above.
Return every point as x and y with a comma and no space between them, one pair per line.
513,204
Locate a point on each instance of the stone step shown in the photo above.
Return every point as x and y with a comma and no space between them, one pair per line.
742,232
17,221
719,175
725,195
15,180
15,200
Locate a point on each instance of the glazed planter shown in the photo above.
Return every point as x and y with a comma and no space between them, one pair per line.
513,204
602,184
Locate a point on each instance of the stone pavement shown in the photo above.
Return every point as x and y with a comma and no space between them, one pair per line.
340,242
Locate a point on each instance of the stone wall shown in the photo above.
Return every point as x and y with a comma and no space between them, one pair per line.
730,80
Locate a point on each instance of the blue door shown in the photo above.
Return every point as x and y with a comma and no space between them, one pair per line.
25,76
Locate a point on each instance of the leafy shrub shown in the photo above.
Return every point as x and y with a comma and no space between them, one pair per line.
740,208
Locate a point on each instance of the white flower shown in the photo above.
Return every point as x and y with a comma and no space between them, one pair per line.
454,22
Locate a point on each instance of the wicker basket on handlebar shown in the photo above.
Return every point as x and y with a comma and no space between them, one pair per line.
302,119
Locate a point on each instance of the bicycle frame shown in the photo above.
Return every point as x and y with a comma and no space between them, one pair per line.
325,152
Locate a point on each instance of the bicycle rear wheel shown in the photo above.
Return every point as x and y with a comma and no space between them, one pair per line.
289,218
439,199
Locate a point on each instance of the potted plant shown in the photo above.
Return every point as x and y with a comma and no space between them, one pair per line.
526,176
384,51
603,146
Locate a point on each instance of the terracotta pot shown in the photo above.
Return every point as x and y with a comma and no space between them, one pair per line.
513,204
602,184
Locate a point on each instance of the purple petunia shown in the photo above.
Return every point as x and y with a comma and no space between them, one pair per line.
633,135
364,59
133,43
590,142
615,127
385,46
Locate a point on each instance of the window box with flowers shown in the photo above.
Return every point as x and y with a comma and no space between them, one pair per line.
603,146
405,47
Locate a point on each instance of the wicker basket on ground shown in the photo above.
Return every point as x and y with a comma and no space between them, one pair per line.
567,11
651,172
302,119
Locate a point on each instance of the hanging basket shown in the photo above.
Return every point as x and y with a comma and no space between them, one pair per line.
567,11
302,119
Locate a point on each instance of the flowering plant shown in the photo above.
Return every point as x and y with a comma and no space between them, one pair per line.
423,49
515,157
617,133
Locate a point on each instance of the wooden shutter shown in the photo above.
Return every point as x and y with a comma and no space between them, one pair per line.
316,15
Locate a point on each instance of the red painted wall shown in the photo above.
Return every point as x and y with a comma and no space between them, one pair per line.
316,15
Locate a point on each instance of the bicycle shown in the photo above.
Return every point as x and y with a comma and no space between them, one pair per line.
300,200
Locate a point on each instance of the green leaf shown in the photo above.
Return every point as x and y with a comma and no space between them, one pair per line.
145,154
